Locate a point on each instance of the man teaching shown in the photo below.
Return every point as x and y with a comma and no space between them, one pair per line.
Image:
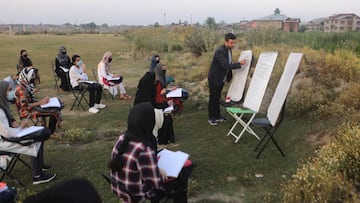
220,71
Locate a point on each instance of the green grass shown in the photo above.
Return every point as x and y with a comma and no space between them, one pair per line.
225,171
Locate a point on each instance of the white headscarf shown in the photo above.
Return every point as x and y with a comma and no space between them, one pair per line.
159,120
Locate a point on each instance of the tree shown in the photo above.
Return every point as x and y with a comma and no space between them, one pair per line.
211,23
156,24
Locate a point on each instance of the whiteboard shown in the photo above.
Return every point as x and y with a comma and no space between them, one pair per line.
282,89
238,82
259,81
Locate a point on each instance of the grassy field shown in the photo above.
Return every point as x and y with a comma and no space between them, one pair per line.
225,171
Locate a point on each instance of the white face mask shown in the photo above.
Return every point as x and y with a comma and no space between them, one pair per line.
10,95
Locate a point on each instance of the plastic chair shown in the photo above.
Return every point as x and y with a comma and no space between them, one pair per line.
79,96
14,158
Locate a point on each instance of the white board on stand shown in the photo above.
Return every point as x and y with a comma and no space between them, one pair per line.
237,86
260,80
282,89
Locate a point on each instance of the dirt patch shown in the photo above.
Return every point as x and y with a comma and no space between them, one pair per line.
319,139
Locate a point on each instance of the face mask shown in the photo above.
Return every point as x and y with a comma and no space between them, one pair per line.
164,71
79,63
110,59
11,95
63,52
25,56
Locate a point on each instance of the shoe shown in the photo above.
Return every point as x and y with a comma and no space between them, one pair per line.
212,122
99,106
220,120
44,178
47,167
93,110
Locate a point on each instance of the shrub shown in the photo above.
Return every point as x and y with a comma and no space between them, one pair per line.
78,135
344,64
333,175
201,40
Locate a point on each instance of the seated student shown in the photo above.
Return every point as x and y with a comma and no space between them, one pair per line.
13,82
62,66
9,128
133,166
78,78
28,106
161,89
105,77
146,92
25,62
154,61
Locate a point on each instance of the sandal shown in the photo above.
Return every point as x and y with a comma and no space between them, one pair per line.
125,97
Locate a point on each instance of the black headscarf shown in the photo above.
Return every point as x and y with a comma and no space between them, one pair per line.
63,58
146,89
160,73
141,122
4,103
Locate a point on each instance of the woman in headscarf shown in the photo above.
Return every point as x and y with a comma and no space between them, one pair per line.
154,61
108,80
147,93
25,62
28,106
133,166
10,129
62,66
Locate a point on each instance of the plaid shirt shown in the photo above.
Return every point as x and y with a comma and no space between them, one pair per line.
140,175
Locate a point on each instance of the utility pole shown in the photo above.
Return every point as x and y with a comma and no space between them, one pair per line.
164,19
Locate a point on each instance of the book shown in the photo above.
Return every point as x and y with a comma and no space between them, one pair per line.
64,69
108,77
29,130
53,102
175,93
172,162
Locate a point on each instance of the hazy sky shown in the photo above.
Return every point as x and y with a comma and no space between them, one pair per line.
145,12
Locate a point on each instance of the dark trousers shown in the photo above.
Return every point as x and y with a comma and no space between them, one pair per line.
176,188
95,91
38,161
166,132
64,85
214,101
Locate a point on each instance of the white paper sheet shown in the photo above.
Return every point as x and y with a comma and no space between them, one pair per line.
175,93
172,162
168,109
53,102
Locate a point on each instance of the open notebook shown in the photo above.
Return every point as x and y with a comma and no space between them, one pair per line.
172,162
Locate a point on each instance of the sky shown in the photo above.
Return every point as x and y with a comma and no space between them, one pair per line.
146,12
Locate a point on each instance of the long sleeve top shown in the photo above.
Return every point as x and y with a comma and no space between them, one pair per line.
76,74
220,66
140,175
5,129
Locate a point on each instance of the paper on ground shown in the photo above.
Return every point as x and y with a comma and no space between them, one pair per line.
27,131
172,162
